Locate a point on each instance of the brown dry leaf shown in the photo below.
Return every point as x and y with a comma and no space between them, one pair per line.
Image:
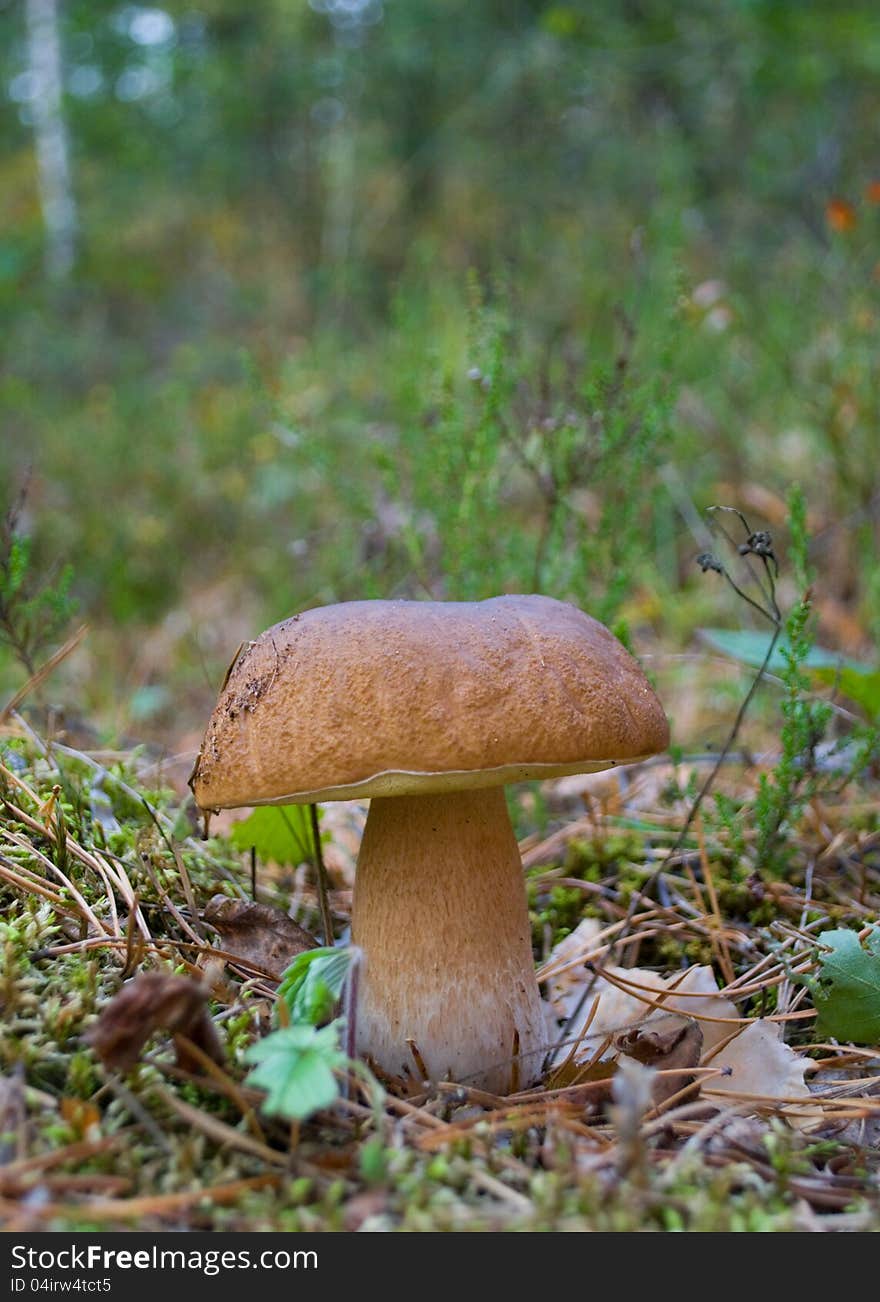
666,1043
756,1061
150,1002
693,992
258,934
759,1062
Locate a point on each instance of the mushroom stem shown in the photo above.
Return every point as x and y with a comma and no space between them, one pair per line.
440,915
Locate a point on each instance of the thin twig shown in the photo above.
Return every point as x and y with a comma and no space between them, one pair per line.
321,873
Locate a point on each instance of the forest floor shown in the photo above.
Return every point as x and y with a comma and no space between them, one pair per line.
702,1094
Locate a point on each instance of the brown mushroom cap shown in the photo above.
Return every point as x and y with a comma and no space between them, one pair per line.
384,698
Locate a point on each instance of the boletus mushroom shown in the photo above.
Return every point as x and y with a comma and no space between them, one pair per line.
429,709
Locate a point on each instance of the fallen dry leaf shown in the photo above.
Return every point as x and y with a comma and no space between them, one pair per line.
756,1061
625,994
151,1002
259,934
759,1062
667,1043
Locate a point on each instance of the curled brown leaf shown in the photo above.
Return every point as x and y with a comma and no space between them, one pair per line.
259,934
151,1002
666,1043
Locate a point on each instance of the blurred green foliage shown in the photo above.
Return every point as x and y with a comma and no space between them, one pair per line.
393,298
33,609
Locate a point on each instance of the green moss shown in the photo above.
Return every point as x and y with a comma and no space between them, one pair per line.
561,910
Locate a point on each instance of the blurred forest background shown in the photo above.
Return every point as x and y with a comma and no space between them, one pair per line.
304,302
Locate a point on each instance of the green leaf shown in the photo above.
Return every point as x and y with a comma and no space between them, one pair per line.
861,686
312,985
750,648
295,1067
847,991
280,833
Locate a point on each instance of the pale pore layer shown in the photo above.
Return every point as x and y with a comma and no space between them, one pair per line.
440,914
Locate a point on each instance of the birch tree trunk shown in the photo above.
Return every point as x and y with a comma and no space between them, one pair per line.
50,132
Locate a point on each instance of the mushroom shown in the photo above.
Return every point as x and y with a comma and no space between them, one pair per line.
429,709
